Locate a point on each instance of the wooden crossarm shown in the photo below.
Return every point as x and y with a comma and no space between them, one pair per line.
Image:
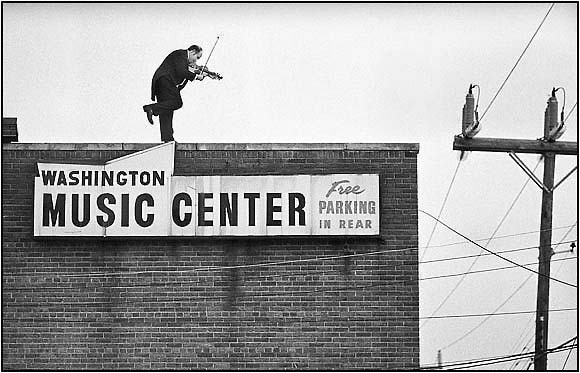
515,145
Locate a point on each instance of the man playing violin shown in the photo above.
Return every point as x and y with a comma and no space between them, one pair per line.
175,71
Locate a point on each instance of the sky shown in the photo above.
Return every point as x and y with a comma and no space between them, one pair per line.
335,72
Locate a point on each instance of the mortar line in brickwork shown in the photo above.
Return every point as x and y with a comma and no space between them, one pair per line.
240,299
299,260
212,268
248,297
308,273
319,290
321,318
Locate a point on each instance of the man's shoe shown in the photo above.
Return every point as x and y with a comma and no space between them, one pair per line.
147,109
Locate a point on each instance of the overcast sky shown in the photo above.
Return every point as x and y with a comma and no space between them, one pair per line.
340,73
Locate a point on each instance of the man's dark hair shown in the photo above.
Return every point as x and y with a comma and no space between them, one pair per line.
194,48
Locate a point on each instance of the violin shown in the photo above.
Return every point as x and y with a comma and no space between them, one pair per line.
204,72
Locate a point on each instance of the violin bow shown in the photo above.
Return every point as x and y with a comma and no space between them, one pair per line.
209,56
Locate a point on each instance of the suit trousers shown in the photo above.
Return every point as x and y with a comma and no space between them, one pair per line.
168,100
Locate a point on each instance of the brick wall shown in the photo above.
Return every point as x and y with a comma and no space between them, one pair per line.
158,312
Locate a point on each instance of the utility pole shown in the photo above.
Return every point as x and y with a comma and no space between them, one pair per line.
546,252
548,147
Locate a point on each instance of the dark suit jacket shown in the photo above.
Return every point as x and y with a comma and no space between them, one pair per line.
175,67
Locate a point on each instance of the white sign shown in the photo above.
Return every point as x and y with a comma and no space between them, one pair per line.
137,195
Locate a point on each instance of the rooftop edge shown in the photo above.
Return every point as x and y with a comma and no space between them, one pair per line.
414,147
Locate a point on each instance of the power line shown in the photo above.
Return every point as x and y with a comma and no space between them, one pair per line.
530,364
460,316
485,254
253,277
527,355
448,296
563,344
518,361
278,293
490,270
289,274
441,210
504,236
266,264
530,324
570,112
489,316
493,360
307,273
215,268
569,352
498,359
505,258
496,254
243,297
208,268
319,318
501,305
527,346
495,311
518,60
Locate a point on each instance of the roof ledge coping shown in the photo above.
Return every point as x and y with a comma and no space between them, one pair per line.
414,147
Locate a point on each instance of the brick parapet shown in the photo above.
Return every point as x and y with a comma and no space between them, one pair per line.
158,313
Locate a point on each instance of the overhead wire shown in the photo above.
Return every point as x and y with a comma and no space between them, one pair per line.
246,297
310,273
285,274
527,355
490,314
498,360
465,335
499,256
518,361
35,286
215,268
484,254
265,264
461,364
530,342
319,318
537,356
503,236
529,346
460,281
489,270
530,363
570,112
533,358
495,311
299,292
517,62
569,352
440,210
529,324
